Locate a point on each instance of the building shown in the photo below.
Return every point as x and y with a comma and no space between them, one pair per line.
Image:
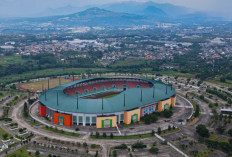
105,102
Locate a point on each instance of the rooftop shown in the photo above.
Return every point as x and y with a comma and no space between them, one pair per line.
68,104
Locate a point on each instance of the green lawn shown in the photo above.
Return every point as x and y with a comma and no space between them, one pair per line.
4,132
1,96
34,123
7,60
21,153
123,137
61,132
217,81
213,137
48,72
166,132
128,62
224,140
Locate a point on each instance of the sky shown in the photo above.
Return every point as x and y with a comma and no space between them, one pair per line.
18,8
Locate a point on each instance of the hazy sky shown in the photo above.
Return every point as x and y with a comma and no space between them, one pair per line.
29,7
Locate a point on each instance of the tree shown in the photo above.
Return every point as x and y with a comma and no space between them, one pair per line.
97,134
139,145
111,135
154,150
159,130
37,153
173,127
202,130
220,129
230,141
104,135
5,136
121,146
25,110
85,144
167,113
230,132
223,79
197,111
96,155
114,153
152,132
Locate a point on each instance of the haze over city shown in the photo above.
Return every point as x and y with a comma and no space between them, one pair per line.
30,8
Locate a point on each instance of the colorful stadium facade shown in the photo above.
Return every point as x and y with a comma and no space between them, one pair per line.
105,102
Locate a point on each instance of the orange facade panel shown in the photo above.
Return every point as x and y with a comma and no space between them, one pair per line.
62,119
42,110
165,104
173,101
131,116
106,122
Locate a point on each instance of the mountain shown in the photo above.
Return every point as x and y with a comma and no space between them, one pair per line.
133,7
153,11
91,17
104,18
60,11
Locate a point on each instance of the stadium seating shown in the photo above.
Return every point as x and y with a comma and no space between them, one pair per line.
100,86
108,85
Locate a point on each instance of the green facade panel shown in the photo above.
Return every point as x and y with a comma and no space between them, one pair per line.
80,119
94,120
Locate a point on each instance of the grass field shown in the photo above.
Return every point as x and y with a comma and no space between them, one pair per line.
4,132
61,132
213,137
34,86
128,62
34,123
7,60
166,132
217,81
1,96
48,73
21,153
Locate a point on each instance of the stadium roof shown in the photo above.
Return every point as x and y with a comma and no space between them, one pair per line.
67,103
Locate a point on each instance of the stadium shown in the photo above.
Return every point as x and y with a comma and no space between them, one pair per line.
105,102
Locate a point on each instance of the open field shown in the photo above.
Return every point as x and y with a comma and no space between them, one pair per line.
2,132
21,153
35,86
48,73
128,62
8,60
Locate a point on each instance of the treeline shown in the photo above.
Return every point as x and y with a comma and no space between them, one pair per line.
218,94
44,61
224,96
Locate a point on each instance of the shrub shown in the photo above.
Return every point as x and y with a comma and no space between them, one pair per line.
139,145
202,130
122,146
154,150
